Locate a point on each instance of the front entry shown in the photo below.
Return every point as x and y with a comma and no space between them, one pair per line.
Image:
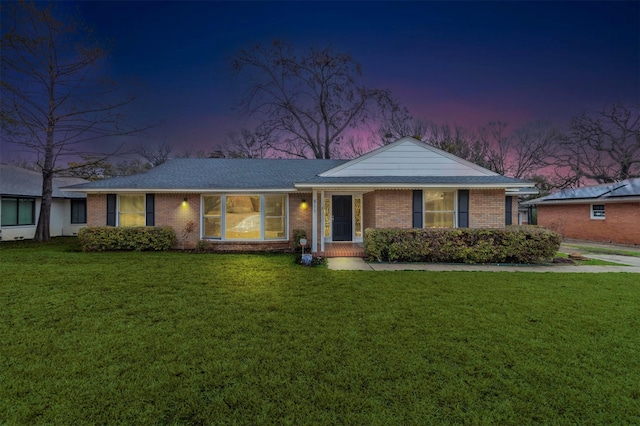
342,223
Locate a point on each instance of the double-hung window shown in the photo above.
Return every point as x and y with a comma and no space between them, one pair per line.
18,211
131,210
244,217
439,209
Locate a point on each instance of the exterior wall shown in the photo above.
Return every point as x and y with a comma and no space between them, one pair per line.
96,209
621,224
369,208
60,223
170,210
392,209
301,218
486,208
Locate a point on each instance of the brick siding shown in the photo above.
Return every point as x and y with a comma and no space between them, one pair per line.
381,209
621,224
392,209
487,208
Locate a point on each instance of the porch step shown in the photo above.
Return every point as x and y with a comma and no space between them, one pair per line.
343,250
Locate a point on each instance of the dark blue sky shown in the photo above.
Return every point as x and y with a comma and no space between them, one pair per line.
459,62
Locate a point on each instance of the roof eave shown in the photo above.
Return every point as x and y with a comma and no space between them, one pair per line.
412,185
176,190
605,200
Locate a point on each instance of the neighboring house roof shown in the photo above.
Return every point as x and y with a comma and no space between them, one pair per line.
404,163
18,181
626,190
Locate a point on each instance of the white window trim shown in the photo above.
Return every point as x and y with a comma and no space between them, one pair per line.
604,212
223,225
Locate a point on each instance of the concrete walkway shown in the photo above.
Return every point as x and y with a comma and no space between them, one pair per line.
358,264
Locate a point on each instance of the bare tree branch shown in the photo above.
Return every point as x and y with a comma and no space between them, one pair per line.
306,103
53,102
603,146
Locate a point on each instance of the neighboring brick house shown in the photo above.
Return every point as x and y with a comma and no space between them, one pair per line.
605,213
250,204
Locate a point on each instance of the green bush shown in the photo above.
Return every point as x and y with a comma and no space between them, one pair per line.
109,238
515,244
297,235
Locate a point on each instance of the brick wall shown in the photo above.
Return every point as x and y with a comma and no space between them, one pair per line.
96,210
300,218
621,224
486,208
171,211
393,208
369,210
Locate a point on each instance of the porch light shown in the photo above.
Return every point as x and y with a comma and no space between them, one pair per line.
304,205
184,202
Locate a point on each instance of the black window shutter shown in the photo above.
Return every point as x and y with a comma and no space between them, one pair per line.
508,209
150,210
417,208
111,209
463,208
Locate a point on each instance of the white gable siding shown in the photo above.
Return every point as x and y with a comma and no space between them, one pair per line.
408,157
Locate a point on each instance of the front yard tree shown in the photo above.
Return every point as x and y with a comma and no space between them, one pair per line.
54,102
306,103
604,146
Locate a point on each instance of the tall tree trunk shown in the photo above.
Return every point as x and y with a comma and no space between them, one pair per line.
43,230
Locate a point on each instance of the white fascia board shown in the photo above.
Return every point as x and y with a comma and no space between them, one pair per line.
370,186
589,201
180,191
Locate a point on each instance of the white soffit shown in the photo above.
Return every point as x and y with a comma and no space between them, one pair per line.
408,157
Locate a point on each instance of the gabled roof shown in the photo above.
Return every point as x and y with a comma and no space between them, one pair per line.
408,157
628,189
18,181
406,163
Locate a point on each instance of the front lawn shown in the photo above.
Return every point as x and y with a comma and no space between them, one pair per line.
176,338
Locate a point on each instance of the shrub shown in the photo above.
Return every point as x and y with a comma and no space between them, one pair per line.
204,246
108,238
297,235
462,245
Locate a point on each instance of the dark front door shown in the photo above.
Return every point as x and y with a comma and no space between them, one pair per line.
342,223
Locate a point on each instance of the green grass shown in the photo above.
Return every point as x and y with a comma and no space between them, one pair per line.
604,250
175,338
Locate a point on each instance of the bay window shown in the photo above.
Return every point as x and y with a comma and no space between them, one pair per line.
245,217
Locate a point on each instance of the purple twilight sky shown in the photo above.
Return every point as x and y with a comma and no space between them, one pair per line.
456,62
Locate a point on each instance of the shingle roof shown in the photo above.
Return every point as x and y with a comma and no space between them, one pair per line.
18,181
264,174
219,173
612,191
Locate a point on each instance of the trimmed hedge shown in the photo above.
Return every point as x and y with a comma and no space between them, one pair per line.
527,244
109,238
